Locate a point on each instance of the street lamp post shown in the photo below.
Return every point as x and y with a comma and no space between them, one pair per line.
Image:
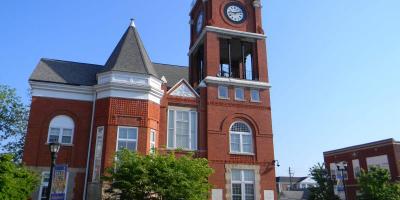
343,167
54,148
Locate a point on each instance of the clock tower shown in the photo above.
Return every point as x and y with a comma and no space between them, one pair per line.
228,67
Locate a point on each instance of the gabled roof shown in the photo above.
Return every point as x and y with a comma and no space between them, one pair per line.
130,55
75,73
286,179
183,89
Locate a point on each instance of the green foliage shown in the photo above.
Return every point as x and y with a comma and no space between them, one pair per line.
375,184
16,182
157,177
324,190
13,122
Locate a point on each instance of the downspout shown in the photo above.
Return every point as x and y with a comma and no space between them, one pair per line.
89,146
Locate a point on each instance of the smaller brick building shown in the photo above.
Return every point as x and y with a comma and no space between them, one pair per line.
384,154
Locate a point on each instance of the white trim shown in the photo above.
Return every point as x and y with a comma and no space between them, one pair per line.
224,31
135,140
241,152
61,91
237,82
243,182
192,146
183,81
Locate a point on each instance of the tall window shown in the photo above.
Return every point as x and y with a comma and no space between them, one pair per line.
241,138
61,130
43,186
98,152
127,138
243,184
152,141
182,129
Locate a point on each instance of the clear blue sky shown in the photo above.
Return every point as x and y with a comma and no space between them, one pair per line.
334,65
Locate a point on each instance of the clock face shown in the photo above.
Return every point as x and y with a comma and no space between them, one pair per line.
235,12
200,21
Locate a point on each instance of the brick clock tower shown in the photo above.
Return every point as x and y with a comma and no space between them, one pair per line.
218,107
228,65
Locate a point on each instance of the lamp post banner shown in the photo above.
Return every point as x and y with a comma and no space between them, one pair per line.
59,183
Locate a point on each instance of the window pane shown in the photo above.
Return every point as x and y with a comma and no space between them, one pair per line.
193,128
236,175
247,148
132,133
67,132
255,95
236,191
54,131
53,138
223,92
248,175
121,145
249,191
66,139
240,127
239,93
152,136
171,128
123,133
182,141
131,146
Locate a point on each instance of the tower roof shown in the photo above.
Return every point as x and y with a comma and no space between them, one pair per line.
130,55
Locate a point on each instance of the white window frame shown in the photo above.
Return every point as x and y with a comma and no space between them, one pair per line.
251,95
236,92
241,134
192,147
243,183
61,129
127,140
152,142
219,92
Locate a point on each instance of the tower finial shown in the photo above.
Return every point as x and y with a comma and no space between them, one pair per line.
133,22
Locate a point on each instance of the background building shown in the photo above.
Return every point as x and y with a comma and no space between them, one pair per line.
384,154
218,107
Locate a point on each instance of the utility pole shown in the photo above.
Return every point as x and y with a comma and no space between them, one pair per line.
291,173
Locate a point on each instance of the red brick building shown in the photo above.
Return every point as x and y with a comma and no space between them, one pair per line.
384,154
218,107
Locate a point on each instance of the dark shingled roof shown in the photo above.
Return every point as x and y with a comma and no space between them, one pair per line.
66,72
130,55
74,73
285,179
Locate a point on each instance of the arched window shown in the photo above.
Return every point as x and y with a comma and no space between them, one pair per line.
61,129
241,138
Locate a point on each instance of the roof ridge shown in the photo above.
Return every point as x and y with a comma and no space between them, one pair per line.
57,60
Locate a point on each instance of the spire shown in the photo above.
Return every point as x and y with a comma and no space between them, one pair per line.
130,55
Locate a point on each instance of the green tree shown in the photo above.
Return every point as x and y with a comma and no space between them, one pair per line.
13,122
324,190
375,185
16,181
157,177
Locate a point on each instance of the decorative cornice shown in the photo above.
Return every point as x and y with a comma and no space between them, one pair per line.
61,91
236,82
257,4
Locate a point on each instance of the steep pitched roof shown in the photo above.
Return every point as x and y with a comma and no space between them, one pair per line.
130,55
75,73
